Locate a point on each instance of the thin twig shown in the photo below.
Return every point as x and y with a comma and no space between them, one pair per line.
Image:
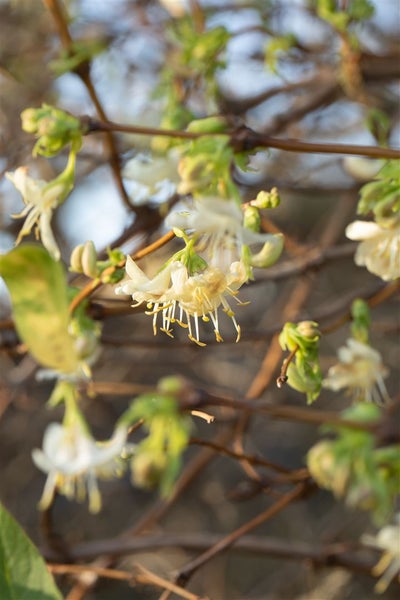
246,139
188,570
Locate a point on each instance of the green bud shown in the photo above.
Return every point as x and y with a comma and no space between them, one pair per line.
53,127
173,385
252,219
361,321
267,199
270,252
309,329
29,118
208,125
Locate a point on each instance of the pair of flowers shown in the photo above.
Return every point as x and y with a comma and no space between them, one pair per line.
199,279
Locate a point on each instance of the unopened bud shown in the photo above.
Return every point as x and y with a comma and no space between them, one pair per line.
308,329
88,259
267,199
76,259
270,252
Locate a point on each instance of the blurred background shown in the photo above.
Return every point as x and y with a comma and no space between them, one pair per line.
302,94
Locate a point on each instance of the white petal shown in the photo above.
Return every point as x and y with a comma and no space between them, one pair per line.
47,236
135,272
362,230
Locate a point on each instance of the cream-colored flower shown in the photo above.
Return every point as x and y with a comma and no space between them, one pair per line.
184,299
360,370
218,227
141,287
154,176
74,460
388,567
379,250
199,296
40,199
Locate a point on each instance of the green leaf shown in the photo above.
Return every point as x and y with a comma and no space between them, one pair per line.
38,291
23,572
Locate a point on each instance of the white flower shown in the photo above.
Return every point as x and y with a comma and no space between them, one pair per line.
362,168
380,250
360,369
219,225
184,299
40,199
73,460
388,541
155,176
199,297
141,287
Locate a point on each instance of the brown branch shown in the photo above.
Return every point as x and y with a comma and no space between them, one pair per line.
83,72
93,285
142,576
189,569
380,296
330,555
244,139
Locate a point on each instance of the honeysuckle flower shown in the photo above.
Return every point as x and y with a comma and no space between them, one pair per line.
152,176
199,296
218,224
183,298
141,287
74,460
360,370
379,250
40,199
388,567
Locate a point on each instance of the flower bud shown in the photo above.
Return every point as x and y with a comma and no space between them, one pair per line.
76,259
147,469
88,259
270,252
267,199
252,218
308,329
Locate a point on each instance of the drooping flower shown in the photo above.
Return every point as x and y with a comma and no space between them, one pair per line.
199,296
217,224
388,567
199,279
74,460
360,370
379,250
40,199
182,298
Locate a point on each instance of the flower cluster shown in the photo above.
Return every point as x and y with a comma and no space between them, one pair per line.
199,279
